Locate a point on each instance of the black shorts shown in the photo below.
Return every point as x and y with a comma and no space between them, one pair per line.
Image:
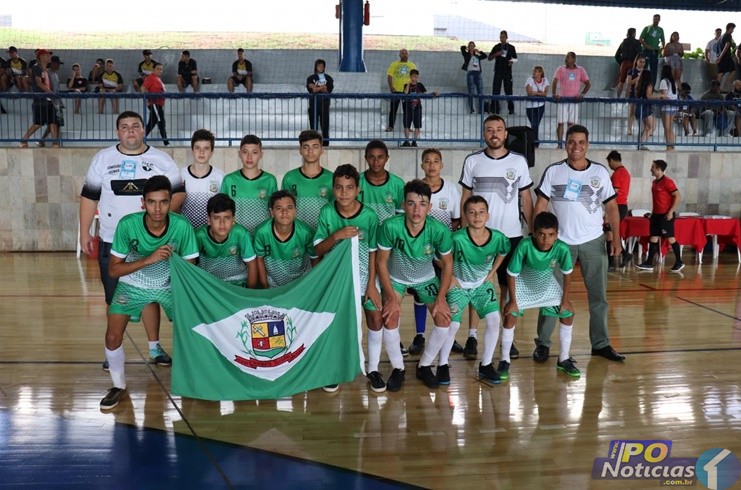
188,78
660,226
43,112
502,271
413,116
237,80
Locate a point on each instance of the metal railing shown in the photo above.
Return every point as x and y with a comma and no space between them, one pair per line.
278,118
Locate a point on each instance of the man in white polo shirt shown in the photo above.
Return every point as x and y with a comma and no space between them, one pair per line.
580,193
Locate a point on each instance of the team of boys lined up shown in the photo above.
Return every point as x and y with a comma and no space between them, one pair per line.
250,233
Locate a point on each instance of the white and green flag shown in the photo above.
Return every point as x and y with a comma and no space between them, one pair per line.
232,343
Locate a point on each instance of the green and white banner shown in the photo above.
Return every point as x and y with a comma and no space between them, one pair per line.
232,343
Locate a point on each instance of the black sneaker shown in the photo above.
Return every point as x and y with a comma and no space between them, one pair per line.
414,143
377,384
568,367
471,351
489,374
443,374
625,261
645,266
406,143
396,380
678,266
457,348
331,388
417,345
503,370
404,351
514,353
541,353
425,374
112,398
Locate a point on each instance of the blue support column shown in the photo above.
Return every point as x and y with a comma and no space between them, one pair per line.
351,32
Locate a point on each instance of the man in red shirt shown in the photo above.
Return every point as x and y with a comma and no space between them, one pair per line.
666,198
620,179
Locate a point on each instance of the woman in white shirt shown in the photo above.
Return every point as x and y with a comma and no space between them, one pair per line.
668,89
536,86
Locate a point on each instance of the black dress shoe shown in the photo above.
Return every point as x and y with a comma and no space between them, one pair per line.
608,353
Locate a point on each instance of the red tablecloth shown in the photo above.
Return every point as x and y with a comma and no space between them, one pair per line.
727,229
687,231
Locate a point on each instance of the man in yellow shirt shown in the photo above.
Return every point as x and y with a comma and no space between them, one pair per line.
398,76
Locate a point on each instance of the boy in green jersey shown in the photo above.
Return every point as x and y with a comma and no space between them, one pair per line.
532,282
311,183
344,218
142,244
407,246
380,190
283,244
250,186
478,252
224,246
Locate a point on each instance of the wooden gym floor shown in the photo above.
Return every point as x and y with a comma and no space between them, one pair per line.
681,382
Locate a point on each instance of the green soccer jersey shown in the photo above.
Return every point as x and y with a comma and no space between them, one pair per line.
410,261
330,220
284,260
385,199
312,193
472,262
133,241
251,196
536,284
226,260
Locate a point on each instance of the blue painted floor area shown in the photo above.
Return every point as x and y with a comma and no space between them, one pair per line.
58,452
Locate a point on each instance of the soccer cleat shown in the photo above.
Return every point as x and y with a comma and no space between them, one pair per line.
645,266
425,374
503,369
489,374
331,388
396,380
106,367
159,356
404,351
457,348
443,374
568,367
377,385
678,266
112,398
417,345
514,353
470,351
541,353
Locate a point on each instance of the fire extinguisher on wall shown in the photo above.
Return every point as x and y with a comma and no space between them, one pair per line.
366,13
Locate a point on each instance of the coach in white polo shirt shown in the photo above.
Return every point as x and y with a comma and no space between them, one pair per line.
580,193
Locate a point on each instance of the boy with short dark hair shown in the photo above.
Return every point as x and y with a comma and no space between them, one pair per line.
310,183
413,107
142,244
225,246
283,244
250,186
478,252
345,218
407,245
202,180
532,282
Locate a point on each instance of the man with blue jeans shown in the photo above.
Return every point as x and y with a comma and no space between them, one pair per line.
652,40
580,193
472,65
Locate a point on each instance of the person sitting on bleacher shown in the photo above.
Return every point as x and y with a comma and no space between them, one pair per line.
16,70
716,116
241,73
111,81
145,68
96,72
187,73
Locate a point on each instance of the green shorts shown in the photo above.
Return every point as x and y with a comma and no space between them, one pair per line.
483,299
368,304
425,291
554,311
131,300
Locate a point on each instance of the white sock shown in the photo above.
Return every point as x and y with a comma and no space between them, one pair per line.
153,344
391,341
472,333
564,336
375,342
508,336
448,344
433,345
116,360
491,336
